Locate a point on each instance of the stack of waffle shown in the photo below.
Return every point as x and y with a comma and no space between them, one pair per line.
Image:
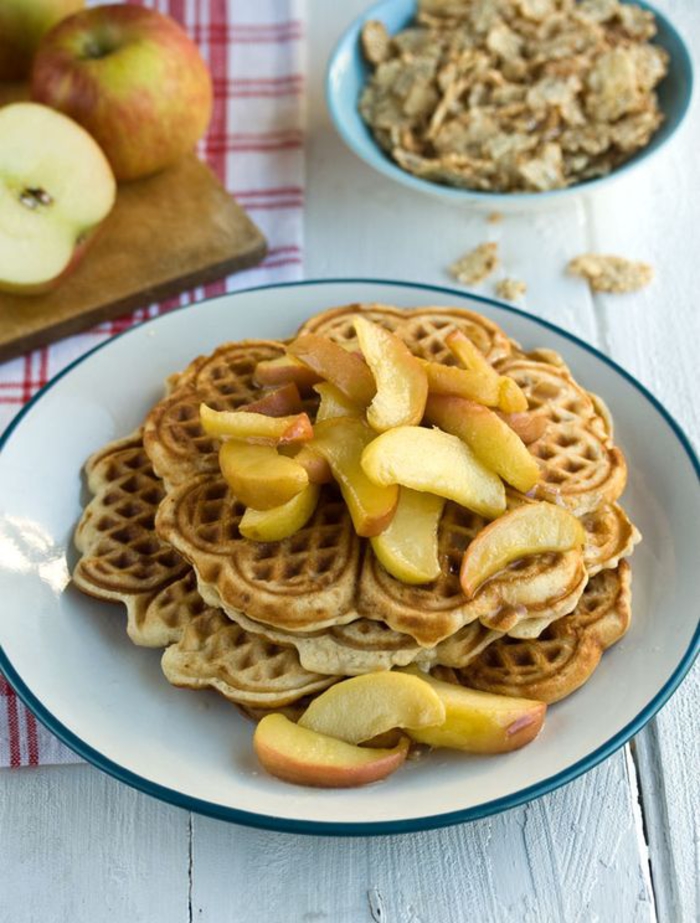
269,624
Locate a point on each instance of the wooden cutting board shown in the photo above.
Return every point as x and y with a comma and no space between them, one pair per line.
166,234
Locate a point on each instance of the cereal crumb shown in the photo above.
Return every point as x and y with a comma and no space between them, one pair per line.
511,289
495,218
614,274
476,265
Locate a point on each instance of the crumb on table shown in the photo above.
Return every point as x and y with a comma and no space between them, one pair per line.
613,274
476,265
511,289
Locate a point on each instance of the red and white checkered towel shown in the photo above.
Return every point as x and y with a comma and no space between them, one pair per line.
255,51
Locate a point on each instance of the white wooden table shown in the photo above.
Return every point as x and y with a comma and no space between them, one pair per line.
619,844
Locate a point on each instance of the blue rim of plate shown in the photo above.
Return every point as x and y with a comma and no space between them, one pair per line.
384,164
364,828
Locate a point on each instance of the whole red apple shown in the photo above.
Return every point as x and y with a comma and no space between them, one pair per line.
22,24
133,78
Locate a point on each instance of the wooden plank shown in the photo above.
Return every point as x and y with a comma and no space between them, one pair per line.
166,234
77,845
558,859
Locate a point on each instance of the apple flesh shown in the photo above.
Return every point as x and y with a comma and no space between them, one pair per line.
259,476
334,403
488,436
56,189
315,465
22,24
341,368
342,441
408,547
437,463
296,754
531,529
469,383
133,78
362,707
280,522
281,402
480,722
285,370
242,424
402,385
511,398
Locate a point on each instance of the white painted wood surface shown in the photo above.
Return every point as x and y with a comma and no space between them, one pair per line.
619,844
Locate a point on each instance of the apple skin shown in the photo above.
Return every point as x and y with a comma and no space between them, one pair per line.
133,78
22,24
44,288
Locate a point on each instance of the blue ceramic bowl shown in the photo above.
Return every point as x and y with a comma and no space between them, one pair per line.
348,73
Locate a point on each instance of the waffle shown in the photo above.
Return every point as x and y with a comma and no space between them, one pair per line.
123,560
173,436
566,653
422,329
324,575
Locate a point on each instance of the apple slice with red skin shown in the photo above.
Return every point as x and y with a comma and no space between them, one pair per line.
437,463
534,528
259,476
488,436
312,461
132,78
255,427
304,757
282,402
51,207
402,385
342,441
285,370
344,369
479,722
360,708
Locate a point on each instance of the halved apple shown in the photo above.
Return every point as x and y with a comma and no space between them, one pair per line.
361,707
402,384
437,463
342,441
408,547
340,367
511,398
480,722
530,529
282,402
296,754
259,476
469,383
56,189
281,521
490,438
242,424
285,370
335,404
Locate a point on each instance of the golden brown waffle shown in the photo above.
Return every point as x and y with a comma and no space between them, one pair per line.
123,560
173,436
566,653
423,329
580,467
321,576
216,653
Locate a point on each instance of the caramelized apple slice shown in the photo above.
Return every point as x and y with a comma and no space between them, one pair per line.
281,521
341,442
528,426
530,529
298,755
480,722
511,398
317,468
335,404
285,370
408,548
343,369
437,463
241,424
282,402
259,476
359,708
492,441
402,385
469,383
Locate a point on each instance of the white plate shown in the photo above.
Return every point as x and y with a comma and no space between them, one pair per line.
70,660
